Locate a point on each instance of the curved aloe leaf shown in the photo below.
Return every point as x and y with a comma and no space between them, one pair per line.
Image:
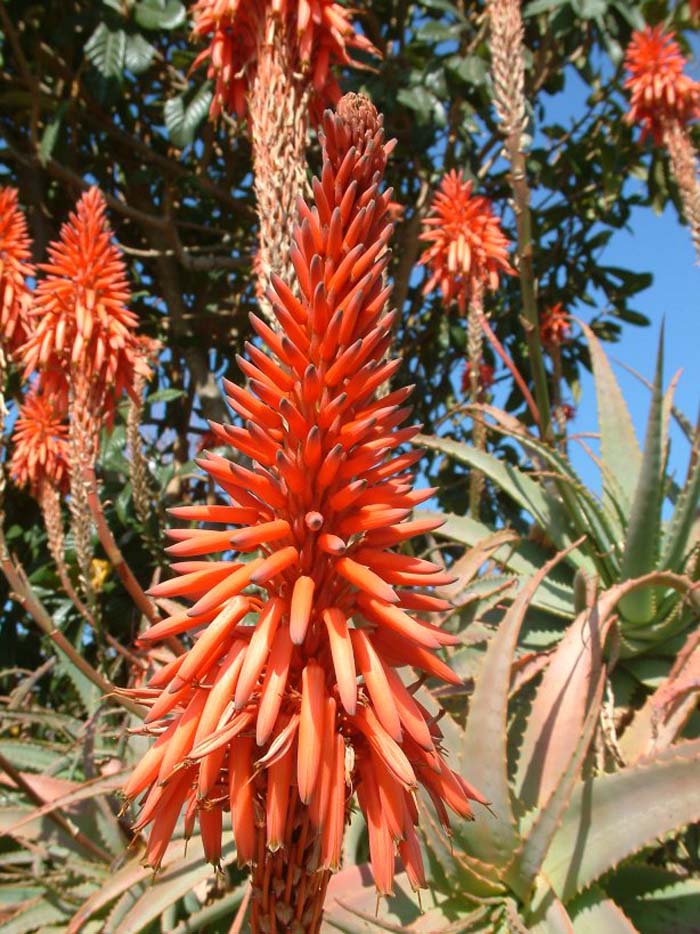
612,816
121,881
85,790
642,542
552,917
176,881
595,913
674,907
582,508
523,490
523,559
559,709
619,447
527,863
677,539
218,909
484,745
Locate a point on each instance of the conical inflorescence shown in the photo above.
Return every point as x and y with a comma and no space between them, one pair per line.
290,698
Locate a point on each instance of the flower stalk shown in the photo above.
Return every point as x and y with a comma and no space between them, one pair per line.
508,73
289,698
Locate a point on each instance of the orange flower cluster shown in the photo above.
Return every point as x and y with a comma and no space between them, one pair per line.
660,93
289,697
15,297
82,330
555,326
320,34
40,439
468,250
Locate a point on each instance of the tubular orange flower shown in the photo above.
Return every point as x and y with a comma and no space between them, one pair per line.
319,34
327,498
468,250
555,326
15,297
83,328
659,91
40,440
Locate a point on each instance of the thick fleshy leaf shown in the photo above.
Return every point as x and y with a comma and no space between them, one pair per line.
641,551
524,558
545,509
595,913
527,863
673,907
678,538
176,881
559,709
620,453
493,839
614,815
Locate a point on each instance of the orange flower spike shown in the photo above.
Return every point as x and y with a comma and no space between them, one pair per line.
278,793
40,444
467,249
81,323
659,91
210,824
258,651
343,657
15,253
321,507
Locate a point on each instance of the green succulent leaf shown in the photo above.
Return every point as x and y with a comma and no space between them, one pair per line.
545,509
595,913
560,708
522,558
484,745
619,448
641,551
614,815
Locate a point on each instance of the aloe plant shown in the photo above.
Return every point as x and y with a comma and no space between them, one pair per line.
553,855
626,534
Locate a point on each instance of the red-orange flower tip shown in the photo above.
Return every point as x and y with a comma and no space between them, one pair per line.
467,249
659,91
40,444
83,328
15,297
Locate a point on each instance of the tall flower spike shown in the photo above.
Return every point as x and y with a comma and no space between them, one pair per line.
508,68
467,249
84,344
467,252
664,101
40,444
83,328
15,297
265,714
273,61
659,91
